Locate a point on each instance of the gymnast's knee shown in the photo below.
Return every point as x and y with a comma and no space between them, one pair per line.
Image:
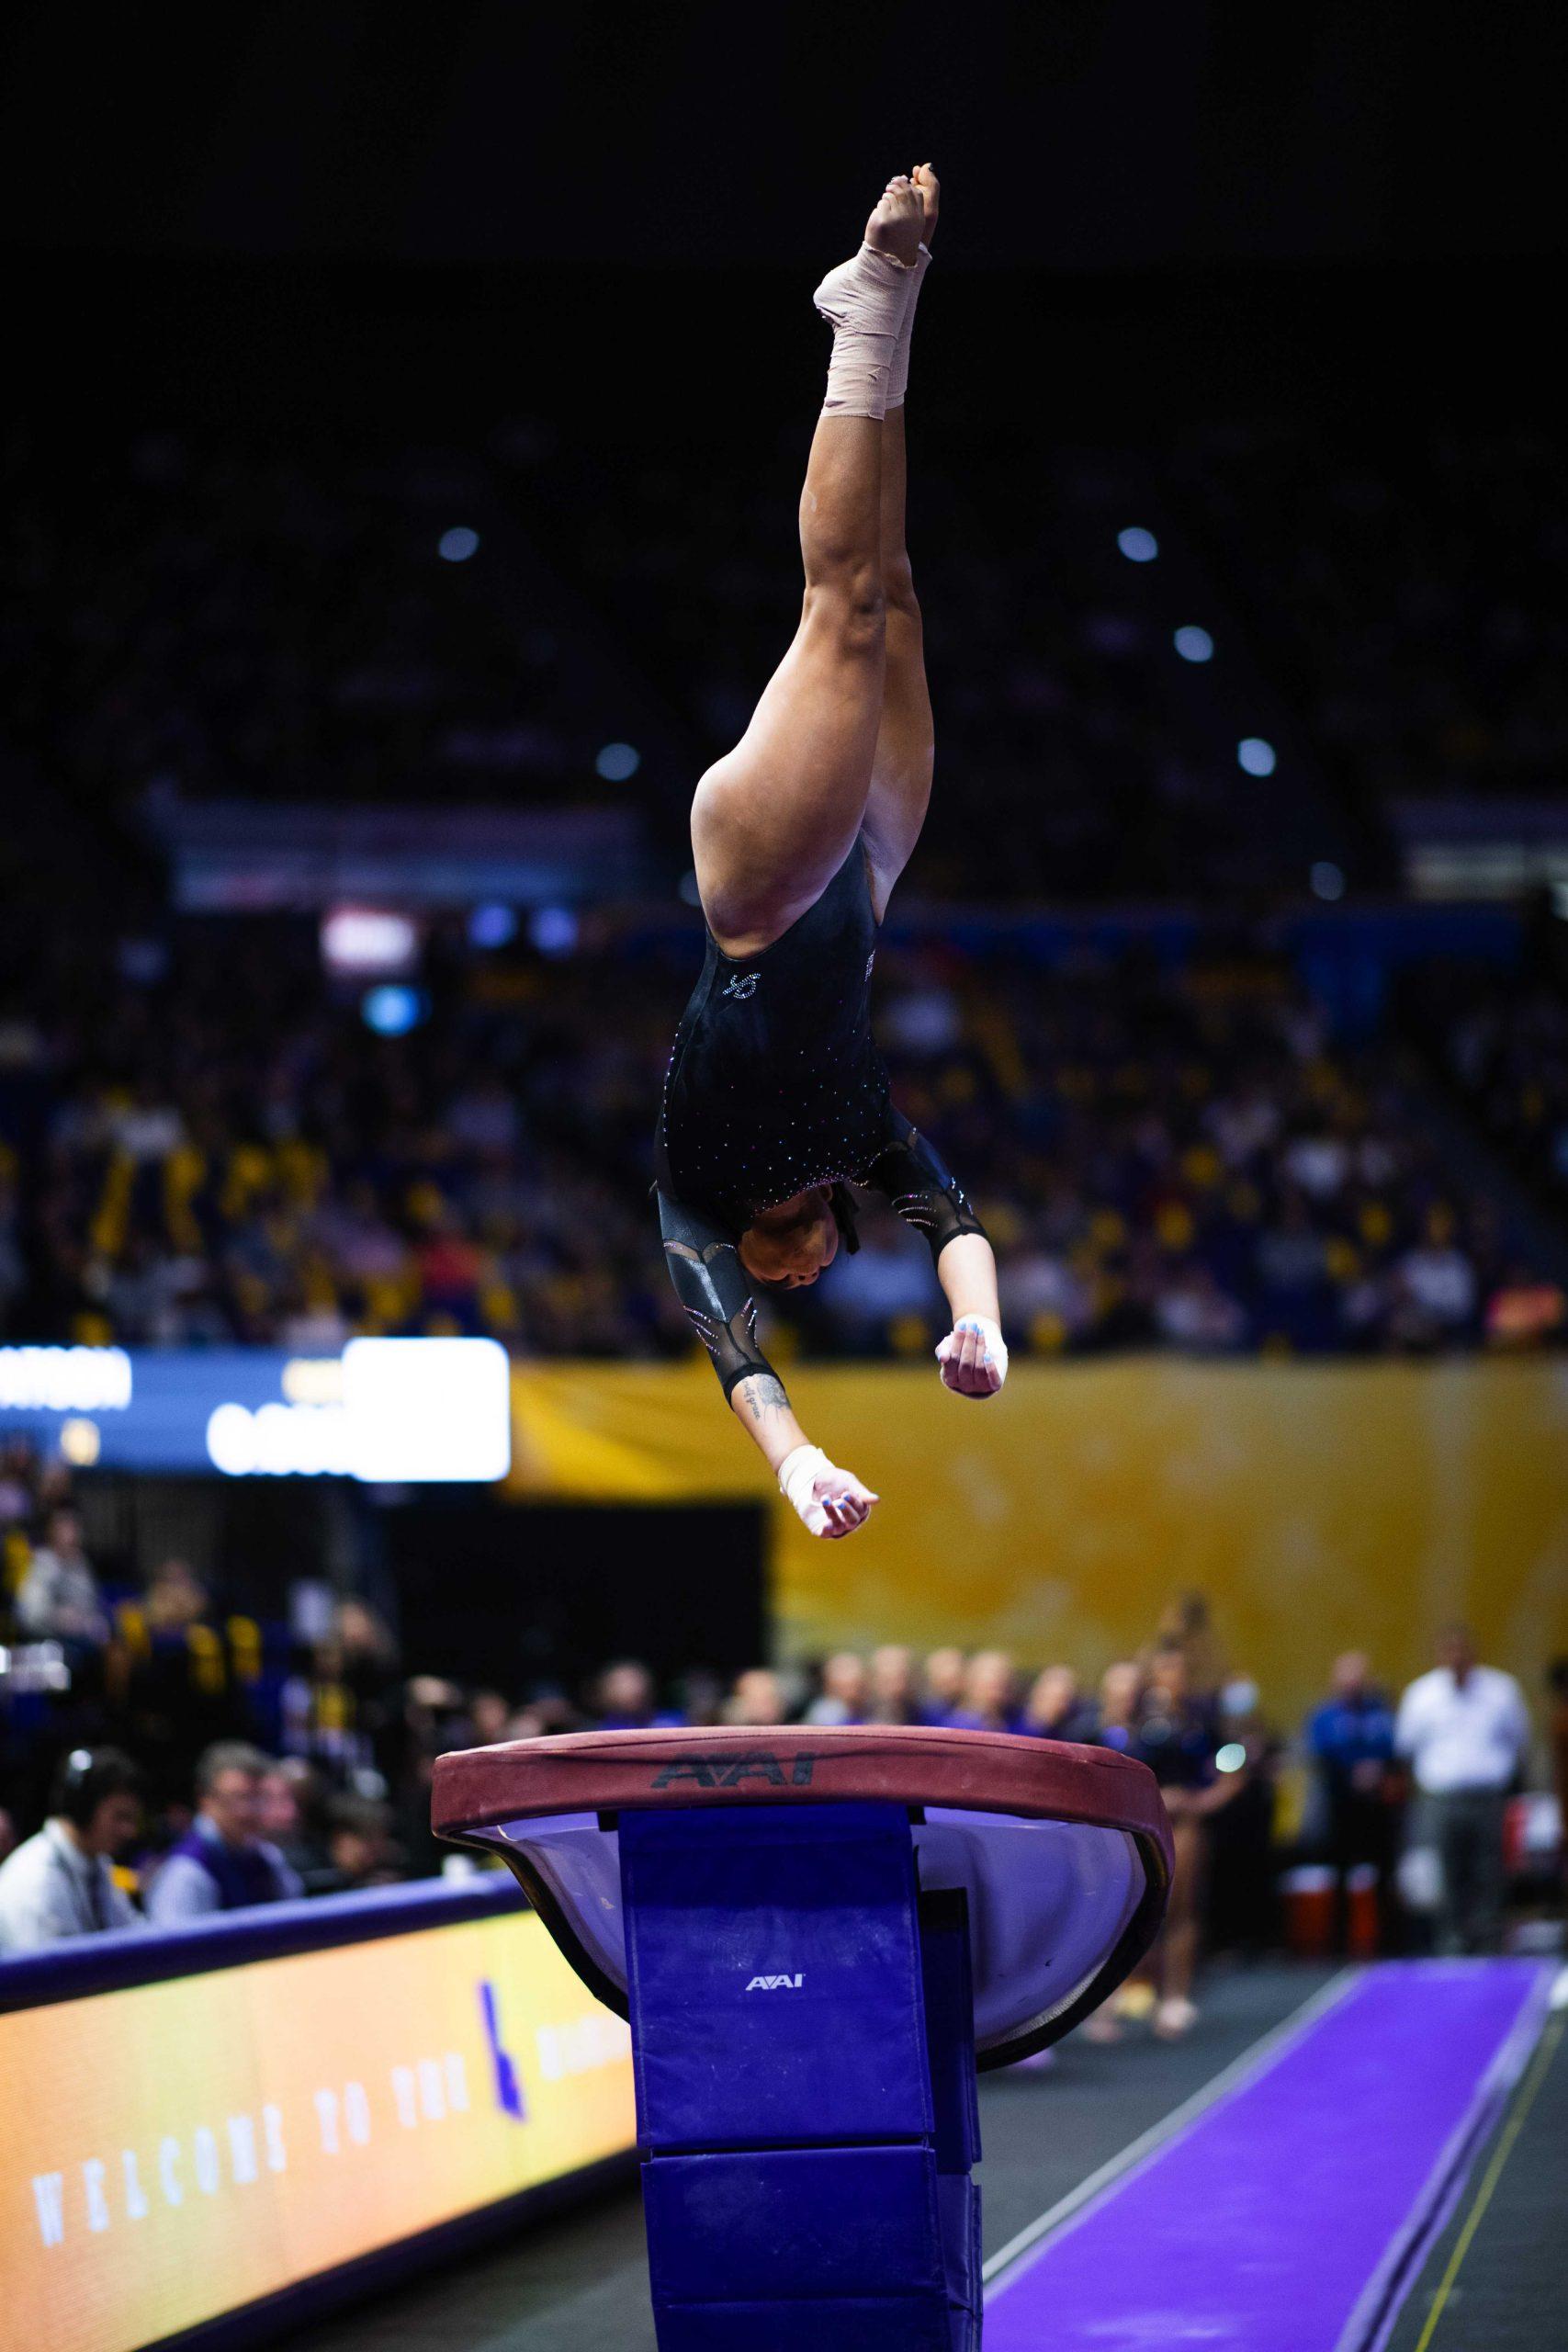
899,586
849,602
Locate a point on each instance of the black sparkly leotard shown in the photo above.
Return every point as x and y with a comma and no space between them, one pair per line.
774,1083
775,1086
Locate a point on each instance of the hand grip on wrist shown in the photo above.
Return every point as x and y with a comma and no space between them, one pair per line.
799,1473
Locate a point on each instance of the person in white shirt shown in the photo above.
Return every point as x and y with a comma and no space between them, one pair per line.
59,1883
59,1599
1464,1729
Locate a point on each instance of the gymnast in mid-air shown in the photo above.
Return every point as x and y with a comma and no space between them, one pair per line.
776,1100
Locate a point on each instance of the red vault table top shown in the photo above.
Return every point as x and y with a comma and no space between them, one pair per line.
1064,1852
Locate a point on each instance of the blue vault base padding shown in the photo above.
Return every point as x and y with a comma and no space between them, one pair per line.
816,1936
803,2040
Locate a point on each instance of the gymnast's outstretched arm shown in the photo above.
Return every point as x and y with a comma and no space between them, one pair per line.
973,1359
716,1291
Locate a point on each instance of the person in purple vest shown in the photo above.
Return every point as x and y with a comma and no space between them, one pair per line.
222,1863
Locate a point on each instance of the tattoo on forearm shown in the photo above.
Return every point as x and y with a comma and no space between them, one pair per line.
766,1395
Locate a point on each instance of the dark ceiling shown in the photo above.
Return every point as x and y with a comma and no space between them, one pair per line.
1077,134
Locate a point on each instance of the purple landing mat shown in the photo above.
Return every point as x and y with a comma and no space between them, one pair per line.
1287,2217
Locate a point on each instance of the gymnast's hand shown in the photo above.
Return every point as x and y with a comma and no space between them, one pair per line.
973,1359
830,1501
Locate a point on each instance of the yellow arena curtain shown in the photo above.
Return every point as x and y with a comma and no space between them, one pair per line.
1320,1507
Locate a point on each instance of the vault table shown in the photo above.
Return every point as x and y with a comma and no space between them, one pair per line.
818,1936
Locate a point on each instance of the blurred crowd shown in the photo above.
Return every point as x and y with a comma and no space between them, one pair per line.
1065,721
1506,1049
163,1757
200,1141
1407,588
196,620
287,615
210,1145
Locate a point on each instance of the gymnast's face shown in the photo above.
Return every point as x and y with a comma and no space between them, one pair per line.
789,1245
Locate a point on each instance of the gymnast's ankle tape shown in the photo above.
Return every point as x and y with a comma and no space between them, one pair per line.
863,301
898,374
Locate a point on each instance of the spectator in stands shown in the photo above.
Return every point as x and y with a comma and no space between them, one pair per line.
18,1475
890,1686
1464,1729
989,1700
842,1698
1186,1622
223,1862
943,1685
170,1667
59,1599
176,1598
702,1697
1056,1708
359,1843
371,1674
294,1800
1350,1739
490,1712
60,1883
1121,1698
527,1722
277,1814
757,1699
624,1700
1436,1287
1116,1715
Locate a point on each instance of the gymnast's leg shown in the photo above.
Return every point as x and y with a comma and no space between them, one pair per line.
901,768
774,820
905,742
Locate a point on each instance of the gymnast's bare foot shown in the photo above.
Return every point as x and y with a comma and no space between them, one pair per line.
924,182
896,225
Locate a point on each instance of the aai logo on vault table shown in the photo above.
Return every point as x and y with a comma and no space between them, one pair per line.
774,1984
732,1771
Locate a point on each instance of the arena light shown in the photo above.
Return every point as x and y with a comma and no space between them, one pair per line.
458,545
1138,544
1327,880
492,926
617,762
1194,644
360,943
392,1010
1256,755
428,1409
553,930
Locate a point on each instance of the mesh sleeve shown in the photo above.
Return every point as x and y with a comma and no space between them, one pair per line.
714,1289
911,1173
